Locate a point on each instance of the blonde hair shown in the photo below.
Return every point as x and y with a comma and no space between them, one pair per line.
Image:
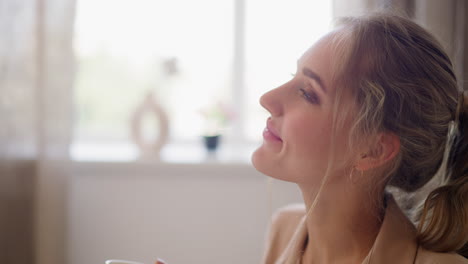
403,83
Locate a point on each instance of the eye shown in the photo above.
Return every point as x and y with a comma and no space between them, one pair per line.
310,96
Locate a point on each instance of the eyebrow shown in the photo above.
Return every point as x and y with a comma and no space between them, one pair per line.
309,73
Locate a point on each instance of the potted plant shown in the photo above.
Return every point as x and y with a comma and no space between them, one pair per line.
216,118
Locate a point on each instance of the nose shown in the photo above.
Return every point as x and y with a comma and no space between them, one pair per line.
271,102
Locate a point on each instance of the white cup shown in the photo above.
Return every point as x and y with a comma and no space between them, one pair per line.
119,261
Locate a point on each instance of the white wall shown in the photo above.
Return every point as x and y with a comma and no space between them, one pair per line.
192,213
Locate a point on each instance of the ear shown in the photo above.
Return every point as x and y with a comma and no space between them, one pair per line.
384,150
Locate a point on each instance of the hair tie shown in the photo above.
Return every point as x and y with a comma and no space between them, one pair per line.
453,131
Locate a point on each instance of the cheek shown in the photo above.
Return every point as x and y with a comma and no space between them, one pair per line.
308,144
310,135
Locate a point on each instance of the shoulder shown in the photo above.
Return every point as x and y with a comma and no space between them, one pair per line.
430,257
284,223
290,214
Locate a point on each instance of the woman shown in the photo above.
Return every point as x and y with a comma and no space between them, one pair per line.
373,104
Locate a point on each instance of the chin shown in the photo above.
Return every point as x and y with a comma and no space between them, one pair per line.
262,161
277,166
256,160
268,164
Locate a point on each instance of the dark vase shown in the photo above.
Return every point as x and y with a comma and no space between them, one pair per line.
211,142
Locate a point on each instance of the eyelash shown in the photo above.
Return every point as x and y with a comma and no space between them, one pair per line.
311,97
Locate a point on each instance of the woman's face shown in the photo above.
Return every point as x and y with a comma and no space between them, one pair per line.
297,135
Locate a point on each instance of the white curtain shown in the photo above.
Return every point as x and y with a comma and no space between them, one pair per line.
36,75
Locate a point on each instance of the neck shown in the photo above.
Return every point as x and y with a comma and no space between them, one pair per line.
343,225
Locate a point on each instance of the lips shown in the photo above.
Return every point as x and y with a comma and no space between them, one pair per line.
270,133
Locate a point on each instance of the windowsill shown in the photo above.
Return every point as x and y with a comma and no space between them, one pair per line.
173,153
176,160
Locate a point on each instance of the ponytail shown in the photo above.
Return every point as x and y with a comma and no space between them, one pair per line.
443,225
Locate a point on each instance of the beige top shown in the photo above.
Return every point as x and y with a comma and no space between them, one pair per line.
395,243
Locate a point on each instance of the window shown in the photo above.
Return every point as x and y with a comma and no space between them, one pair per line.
277,33
228,51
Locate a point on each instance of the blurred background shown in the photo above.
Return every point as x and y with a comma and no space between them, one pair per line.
107,109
